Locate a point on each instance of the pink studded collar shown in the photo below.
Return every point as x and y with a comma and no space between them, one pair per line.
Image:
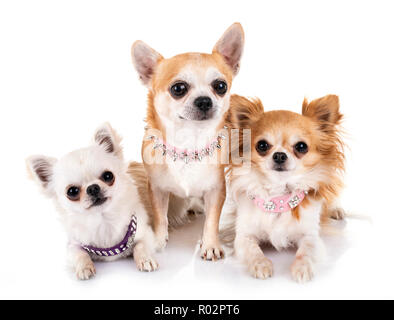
280,204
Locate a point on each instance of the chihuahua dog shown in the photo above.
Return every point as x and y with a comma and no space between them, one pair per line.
188,100
99,204
287,193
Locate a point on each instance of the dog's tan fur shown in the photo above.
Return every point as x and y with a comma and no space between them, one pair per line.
138,173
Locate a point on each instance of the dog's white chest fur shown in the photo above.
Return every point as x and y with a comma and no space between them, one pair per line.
279,229
109,227
192,178
188,179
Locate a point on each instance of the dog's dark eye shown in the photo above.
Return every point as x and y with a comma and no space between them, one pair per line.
73,193
108,177
179,89
262,146
220,87
301,147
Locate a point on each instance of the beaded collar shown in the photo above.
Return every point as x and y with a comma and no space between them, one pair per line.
185,154
122,246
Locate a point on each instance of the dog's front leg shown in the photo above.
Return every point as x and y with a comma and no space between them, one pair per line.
143,257
81,262
213,202
160,201
310,251
248,251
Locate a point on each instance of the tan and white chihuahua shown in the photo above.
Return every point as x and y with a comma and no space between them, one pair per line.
188,100
290,187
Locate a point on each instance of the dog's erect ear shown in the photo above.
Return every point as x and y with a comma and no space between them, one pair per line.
106,137
244,112
325,110
145,60
231,46
41,169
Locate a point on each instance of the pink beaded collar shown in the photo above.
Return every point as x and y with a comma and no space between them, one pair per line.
184,154
280,204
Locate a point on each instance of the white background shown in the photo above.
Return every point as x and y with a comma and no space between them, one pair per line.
65,68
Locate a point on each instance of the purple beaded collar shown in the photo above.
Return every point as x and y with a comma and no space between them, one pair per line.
122,246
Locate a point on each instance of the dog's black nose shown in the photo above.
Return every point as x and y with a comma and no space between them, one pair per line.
93,190
279,157
203,103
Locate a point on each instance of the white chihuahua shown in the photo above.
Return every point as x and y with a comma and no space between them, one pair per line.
99,204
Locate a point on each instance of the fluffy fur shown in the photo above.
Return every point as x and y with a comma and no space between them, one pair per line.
318,171
87,221
175,187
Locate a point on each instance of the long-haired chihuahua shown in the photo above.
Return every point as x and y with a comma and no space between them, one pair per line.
291,184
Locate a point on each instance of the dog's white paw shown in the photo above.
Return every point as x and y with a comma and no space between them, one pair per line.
148,264
85,271
211,252
161,240
302,270
261,268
